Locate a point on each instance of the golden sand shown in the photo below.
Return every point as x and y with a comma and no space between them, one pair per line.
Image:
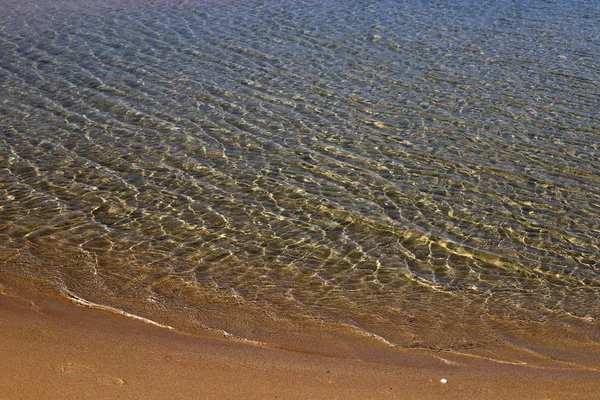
50,349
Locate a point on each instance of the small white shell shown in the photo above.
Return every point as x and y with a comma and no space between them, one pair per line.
444,380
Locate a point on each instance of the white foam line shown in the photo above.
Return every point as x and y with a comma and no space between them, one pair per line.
459,353
240,339
86,303
566,364
83,302
448,362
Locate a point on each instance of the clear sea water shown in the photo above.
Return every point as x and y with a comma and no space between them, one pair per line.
423,174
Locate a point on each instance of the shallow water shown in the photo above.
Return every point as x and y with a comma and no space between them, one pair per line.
423,173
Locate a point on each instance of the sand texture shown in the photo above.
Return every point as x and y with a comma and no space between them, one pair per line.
55,350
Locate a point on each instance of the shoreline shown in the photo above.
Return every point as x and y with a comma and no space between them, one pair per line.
54,349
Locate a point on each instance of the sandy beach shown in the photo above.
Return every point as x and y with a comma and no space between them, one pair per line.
299,199
55,350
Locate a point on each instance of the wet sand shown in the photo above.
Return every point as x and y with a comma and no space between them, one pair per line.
55,350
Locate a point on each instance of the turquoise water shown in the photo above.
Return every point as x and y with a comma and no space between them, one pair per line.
426,173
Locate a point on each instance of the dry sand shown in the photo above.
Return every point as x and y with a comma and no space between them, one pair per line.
51,349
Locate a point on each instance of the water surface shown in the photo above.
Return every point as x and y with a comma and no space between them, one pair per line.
422,173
